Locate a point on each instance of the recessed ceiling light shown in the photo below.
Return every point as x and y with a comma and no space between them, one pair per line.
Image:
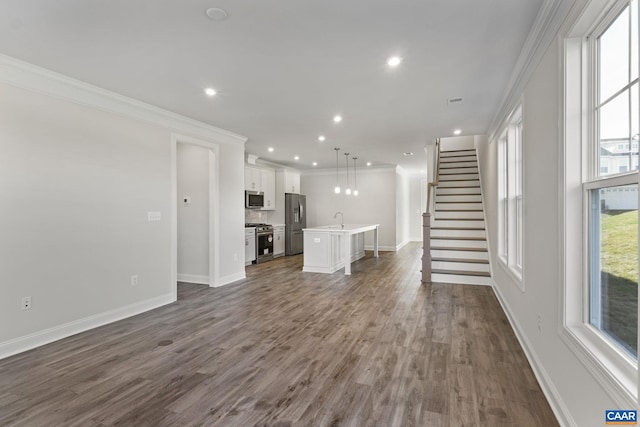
210,91
296,158
321,138
216,14
394,61
270,149
315,163
457,132
337,119
368,163
408,153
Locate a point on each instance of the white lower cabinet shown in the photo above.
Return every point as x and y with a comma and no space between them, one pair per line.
278,240
249,245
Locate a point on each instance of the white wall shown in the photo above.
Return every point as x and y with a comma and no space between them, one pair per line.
454,143
403,208
569,385
376,202
416,208
193,219
79,171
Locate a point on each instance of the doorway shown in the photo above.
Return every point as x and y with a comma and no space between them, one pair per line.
195,207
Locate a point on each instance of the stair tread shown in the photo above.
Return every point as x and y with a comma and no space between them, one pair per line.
458,210
458,173
458,219
457,194
462,201
477,239
462,272
459,228
457,151
462,186
470,261
459,167
454,180
447,248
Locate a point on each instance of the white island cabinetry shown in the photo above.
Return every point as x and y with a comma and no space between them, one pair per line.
328,249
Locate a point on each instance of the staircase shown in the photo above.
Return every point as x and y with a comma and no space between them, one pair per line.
458,236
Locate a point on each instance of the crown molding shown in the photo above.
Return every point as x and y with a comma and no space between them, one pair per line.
27,76
550,18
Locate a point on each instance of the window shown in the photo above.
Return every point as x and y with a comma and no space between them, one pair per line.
600,210
613,219
510,196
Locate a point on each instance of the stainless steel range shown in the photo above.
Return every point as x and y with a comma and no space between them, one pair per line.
264,241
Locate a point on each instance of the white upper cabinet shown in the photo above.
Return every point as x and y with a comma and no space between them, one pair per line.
268,180
291,182
262,180
252,179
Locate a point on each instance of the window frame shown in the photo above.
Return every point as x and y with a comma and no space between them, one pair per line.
511,199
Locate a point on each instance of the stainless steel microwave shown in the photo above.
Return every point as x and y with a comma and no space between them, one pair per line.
253,199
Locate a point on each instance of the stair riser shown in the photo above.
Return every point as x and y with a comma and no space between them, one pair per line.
459,164
442,191
455,215
451,159
458,177
457,233
454,198
446,170
464,280
446,184
442,253
451,266
459,243
455,223
459,206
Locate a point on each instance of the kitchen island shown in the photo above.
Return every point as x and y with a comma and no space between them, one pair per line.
329,248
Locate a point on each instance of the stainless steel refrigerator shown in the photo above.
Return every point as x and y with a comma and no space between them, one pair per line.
295,218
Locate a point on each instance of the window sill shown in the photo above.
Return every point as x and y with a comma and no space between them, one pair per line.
610,366
515,274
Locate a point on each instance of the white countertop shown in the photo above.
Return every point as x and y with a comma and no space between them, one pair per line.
347,228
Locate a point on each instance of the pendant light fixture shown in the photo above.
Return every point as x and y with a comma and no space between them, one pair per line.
355,182
337,188
346,160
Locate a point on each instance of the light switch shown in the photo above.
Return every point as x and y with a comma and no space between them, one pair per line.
154,216
186,201
316,240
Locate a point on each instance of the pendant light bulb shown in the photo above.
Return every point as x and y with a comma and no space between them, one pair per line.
348,190
337,187
355,182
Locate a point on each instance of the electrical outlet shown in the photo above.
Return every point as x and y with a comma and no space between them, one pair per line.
539,322
26,303
134,280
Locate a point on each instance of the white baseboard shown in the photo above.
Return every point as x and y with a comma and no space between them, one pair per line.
37,339
551,393
193,278
402,245
230,279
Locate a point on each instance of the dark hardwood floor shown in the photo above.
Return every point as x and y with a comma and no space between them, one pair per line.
286,348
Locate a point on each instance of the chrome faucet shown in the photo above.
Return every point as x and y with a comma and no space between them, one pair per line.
341,218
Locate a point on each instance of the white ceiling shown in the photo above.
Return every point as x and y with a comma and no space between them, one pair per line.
284,68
